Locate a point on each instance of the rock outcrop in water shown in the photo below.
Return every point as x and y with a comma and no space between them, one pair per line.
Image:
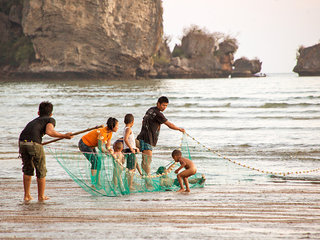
200,54
203,55
308,61
244,67
110,38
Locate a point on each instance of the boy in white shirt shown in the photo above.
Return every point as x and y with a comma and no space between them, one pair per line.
130,149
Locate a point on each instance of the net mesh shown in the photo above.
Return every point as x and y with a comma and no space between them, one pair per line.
110,178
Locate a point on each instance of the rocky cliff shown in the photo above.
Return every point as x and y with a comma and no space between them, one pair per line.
16,50
109,38
308,61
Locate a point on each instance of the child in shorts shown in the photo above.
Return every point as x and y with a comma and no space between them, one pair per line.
130,149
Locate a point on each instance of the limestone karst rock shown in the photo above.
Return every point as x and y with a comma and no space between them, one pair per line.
308,61
244,67
111,38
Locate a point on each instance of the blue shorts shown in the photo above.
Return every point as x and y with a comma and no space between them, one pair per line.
144,145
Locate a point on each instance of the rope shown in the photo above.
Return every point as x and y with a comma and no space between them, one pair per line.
249,167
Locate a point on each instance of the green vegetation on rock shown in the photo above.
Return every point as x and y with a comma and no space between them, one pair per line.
160,60
17,53
5,6
178,52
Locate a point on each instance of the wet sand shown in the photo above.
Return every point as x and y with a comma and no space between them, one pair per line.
274,210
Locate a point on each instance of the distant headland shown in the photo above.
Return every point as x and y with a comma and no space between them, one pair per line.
108,39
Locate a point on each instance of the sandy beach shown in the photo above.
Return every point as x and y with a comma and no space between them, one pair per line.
283,210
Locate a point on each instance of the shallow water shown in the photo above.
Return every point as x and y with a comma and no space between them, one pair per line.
269,123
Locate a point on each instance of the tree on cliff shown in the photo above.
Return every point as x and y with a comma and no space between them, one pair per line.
205,54
198,41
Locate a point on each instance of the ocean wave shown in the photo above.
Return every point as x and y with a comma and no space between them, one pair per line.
25,104
289,117
286,105
238,105
200,105
307,97
314,179
203,98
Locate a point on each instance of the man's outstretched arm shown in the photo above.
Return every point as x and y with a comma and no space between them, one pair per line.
174,127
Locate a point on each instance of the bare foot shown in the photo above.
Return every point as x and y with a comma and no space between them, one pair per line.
180,190
28,198
187,190
41,199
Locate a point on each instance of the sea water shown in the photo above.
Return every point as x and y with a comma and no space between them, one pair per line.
270,123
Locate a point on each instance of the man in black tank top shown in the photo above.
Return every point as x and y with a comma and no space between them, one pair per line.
32,152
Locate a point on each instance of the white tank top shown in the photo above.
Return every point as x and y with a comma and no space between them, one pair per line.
131,140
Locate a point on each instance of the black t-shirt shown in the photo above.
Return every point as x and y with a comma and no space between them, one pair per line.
36,129
151,123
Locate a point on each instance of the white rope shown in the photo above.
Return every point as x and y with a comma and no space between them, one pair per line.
252,168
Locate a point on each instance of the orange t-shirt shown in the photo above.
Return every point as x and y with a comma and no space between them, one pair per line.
91,138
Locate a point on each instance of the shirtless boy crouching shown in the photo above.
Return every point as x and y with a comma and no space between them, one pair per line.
190,169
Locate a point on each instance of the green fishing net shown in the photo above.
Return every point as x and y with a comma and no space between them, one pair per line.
108,177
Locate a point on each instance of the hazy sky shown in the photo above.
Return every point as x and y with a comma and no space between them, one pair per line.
271,30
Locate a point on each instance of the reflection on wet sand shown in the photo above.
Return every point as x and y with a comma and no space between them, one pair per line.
288,210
